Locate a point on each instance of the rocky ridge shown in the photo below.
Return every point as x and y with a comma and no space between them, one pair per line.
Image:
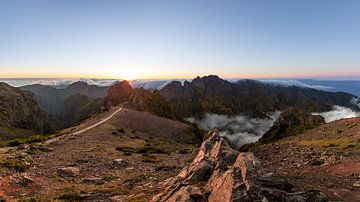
220,173
291,122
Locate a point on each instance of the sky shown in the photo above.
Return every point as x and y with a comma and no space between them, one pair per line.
153,39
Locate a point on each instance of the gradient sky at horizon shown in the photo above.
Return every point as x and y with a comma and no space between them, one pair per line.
179,39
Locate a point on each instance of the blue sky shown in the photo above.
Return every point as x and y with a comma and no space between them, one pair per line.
173,39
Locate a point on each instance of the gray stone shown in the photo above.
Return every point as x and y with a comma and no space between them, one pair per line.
68,171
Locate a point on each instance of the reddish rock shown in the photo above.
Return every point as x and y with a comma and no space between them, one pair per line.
220,173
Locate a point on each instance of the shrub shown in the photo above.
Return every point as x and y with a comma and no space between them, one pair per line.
151,159
165,168
317,162
14,164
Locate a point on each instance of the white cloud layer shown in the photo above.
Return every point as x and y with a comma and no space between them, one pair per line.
338,113
287,83
240,129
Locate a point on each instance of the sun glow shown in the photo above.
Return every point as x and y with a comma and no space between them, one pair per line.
129,74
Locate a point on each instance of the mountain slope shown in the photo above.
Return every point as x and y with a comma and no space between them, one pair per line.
19,109
53,100
123,159
250,97
325,158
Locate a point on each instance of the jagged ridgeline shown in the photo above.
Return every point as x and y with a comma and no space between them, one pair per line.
249,97
68,106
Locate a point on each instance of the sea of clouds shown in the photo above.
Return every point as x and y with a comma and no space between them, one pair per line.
338,113
239,129
286,83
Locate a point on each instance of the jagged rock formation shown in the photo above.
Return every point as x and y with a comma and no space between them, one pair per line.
250,97
220,173
19,109
291,122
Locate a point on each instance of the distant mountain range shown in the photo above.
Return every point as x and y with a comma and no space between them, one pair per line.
350,85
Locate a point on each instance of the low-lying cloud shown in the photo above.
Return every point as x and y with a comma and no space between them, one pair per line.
287,83
57,82
240,129
338,113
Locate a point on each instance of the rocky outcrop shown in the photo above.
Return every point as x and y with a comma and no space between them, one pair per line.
291,122
119,92
220,173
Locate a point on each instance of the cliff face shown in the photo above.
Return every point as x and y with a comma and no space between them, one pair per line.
220,173
19,109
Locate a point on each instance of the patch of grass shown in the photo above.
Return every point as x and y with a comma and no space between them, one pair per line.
109,178
29,140
137,199
341,143
147,149
151,150
114,133
134,180
14,164
184,151
317,162
165,168
112,191
120,130
35,199
150,159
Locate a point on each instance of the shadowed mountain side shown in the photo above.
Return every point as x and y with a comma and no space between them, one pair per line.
19,109
52,100
249,97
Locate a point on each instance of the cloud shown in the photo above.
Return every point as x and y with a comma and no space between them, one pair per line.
153,84
240,129
57,82
287,83
356,102
338,113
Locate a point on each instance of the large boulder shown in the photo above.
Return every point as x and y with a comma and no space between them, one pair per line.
291,122
220,173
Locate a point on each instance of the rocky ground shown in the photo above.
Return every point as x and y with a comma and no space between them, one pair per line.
123,159
325,158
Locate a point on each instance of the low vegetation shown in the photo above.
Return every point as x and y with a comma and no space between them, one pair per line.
14,165
150,159
340,143
146,149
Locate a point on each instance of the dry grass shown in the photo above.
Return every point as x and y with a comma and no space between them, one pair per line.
341,143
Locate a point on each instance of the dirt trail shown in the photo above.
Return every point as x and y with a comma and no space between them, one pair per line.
156,151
